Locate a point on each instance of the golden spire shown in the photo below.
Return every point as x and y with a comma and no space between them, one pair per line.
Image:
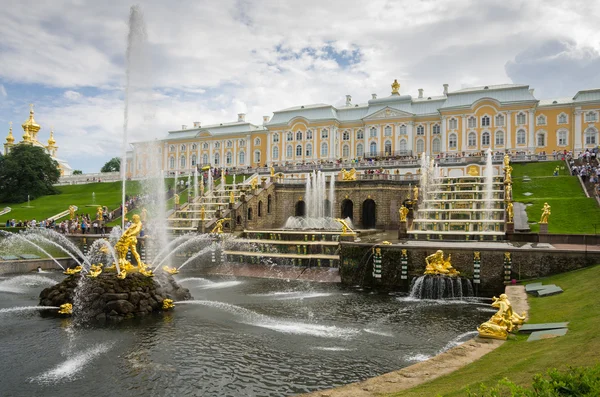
32,126
26,136
10,139
395,87
51,141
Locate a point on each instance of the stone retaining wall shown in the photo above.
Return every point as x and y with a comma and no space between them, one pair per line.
29,265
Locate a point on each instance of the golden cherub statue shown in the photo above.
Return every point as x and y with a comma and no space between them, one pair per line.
202,213
507,176
510,212
231,197
403,211
395,87
348,175
506,160
502,322
416,193
168,304
170,270
95,270
72,212
65,308
346,229
272,169
218,229
254,183
99,213
545,213
507,192
127,242
436,264
72,271
176,199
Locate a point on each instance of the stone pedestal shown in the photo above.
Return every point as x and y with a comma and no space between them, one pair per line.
543,228
231,206
402,230
510,227
176,207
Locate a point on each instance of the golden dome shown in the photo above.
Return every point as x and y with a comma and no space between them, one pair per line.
10,139
26,136
51,141
31,125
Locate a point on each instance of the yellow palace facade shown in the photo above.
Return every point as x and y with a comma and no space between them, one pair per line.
503,118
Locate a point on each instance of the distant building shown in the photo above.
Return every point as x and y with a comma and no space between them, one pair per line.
30,137
504,118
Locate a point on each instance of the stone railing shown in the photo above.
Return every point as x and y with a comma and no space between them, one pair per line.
5,210
89,178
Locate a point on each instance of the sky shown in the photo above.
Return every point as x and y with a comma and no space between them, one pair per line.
208,61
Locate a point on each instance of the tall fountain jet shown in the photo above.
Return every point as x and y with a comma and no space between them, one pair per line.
489,185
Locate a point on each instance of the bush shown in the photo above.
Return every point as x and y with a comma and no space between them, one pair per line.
579,382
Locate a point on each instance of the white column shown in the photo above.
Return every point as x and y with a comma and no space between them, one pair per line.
410,136
444,145
508,129
531,142
165,154
268,156
210,153
578,131
427,139
464,133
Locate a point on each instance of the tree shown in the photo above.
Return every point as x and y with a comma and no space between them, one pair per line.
77,172
27,171
112,165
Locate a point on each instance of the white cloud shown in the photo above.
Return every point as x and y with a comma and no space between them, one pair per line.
3,93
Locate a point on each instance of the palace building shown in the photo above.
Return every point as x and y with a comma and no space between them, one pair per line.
503,118
30,137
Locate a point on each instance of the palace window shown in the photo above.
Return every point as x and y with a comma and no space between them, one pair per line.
403,129
183,148
563,118
420,130
242,142
360,150
217,158
194,146
373,132
324,149
472,122
521,118
453,141
485,139
275,138
172,148
257,142
472,139
230,143
436,129
402,145
499,138
275,153
242,156
308,150
228,158
346,136
171,162
387,131
420,146
500,120
309,135
217,145
324,134
373,149
360,134
299,135
541,120
591,117
345,151
194,160
520,137
453,124
205,146
298,150
204,159
290,136
289,152
541,139
257,156
562,138
485,121
591,136
388,148
182,162
435,146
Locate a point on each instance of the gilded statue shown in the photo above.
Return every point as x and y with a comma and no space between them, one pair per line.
508,192
416,193
143,214
436,264
168,304
506,160
346,229
545,213
170,270
127,242
125,210
348,175
72,211
95,270
510,213
503,321
507,174
176,199
65,308
231,197
202,213
272,169
395,87
218,229
99,213
403,211
74,270
254,183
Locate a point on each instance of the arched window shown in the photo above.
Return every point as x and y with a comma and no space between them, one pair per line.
269,204
436,129
388,148
275,153
485,121
420,146
249,213
472,139
323,149
360,150
204,159
360,134
228,158
257,142
402,130
275,138
229,143
373,149
217,145
299,135
373,132
242,159
289,152
308,150
591,136
205,146
309,135
591,117
346,136
172,148
182,148
217,158
387,131
290,136
562,138
521,118
257,156
259,208
520,137
298,150
485,139
500,120
420,130
194,146
472,122
435,146
345,151
171,162
182,162
324,133
541,139
563,118
193,160
402,145
243,141
540,120
499,138
453,141
453,124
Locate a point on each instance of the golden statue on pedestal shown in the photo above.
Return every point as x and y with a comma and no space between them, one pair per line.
507,192
507,176
254,183
272,170
395,87
403,212
416,193
176,199
202,213
503,322
346,230
506,160
436,264
231,197
127,242
348,175
510,214
99,213
545,213
218,229
72,212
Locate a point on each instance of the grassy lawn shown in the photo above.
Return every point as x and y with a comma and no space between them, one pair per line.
572,212
518,359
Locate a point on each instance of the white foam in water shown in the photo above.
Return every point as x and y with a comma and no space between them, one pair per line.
459,340
296,295
284,326
26,309
19,283
418,357
198,279
377,332
69,369
222,284
331,349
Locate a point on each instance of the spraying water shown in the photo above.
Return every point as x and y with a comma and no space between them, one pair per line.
196,182
489,184
332,195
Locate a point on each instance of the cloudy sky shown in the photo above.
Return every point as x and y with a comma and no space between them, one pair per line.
209,60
